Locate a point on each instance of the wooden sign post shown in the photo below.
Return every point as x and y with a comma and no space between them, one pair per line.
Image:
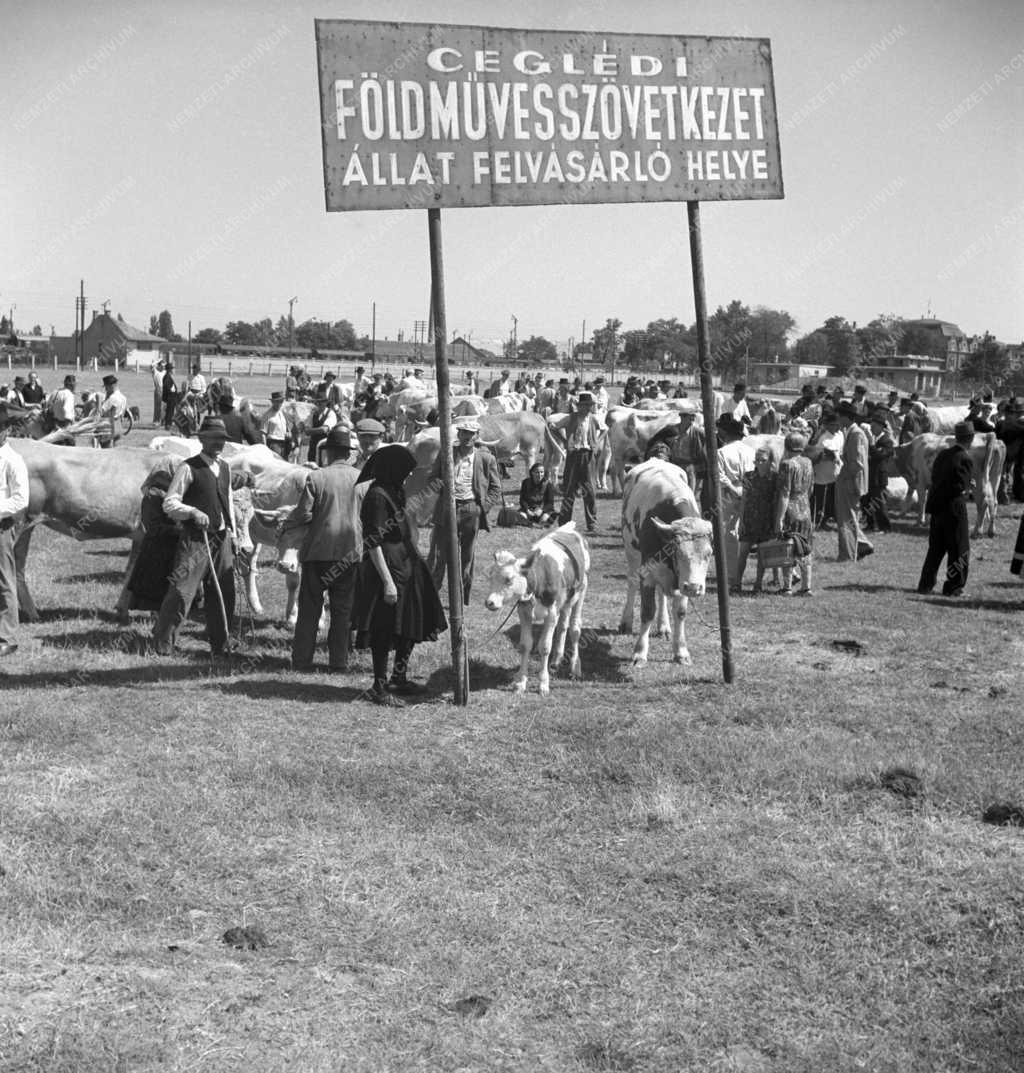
426,115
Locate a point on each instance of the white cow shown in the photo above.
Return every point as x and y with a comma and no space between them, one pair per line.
511,403
629,432
548,585
668,549
988,454
944,419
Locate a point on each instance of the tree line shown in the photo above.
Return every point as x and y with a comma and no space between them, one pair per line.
311,334
740,336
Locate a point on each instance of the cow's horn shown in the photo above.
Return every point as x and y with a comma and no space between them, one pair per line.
489,443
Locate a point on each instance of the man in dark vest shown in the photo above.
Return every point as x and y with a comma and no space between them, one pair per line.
329,554
949,535
199,497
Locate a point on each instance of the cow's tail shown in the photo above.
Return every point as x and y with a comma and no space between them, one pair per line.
554,449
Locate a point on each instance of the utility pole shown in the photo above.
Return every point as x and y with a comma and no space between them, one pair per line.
80,323
515,338
583,347
291,326
190,345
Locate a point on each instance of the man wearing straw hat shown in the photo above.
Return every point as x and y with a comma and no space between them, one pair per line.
199,497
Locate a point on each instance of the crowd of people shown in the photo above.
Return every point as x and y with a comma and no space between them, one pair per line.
358,546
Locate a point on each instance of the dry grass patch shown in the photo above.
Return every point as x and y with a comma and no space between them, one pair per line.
647,872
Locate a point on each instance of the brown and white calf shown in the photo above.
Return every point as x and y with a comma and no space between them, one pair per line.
668,549
548,585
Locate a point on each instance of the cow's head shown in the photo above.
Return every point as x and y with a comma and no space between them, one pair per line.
685,552
244,511
507,580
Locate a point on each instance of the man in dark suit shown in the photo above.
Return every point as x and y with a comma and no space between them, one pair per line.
851,486
328,554
477,490
240,427
949,534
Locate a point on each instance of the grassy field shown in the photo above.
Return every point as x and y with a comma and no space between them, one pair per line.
650,871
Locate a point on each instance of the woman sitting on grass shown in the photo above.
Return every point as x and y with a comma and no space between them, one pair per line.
395,604
536,497
793,510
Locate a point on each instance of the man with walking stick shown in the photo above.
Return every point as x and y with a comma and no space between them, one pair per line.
200,498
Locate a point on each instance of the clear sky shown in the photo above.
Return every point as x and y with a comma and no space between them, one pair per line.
902,155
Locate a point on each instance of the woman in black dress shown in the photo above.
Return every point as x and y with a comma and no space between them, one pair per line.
148,583
396,605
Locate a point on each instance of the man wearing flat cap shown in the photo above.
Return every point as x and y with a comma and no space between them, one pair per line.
851,486
477,490
326,518
370,433
14,493
949,532
199,497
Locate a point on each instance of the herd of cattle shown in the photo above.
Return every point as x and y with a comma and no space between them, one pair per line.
95,495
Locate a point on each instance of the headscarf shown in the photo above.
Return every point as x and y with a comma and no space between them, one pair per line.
389,466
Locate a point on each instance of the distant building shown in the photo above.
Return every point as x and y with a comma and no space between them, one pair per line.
909,372
771,372
462,352
1015,356
108,338
951,342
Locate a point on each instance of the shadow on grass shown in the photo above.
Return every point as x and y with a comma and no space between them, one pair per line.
969,603
856,586
598,661
105,577
117,553
331,690
75,614
126,676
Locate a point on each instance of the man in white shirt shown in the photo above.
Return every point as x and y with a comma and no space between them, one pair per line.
275,426
735,461
62,403
157,371
502,386
736,404
199,497
198,381
413,380
14,493
113,407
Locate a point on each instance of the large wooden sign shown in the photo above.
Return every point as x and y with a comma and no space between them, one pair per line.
433,116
